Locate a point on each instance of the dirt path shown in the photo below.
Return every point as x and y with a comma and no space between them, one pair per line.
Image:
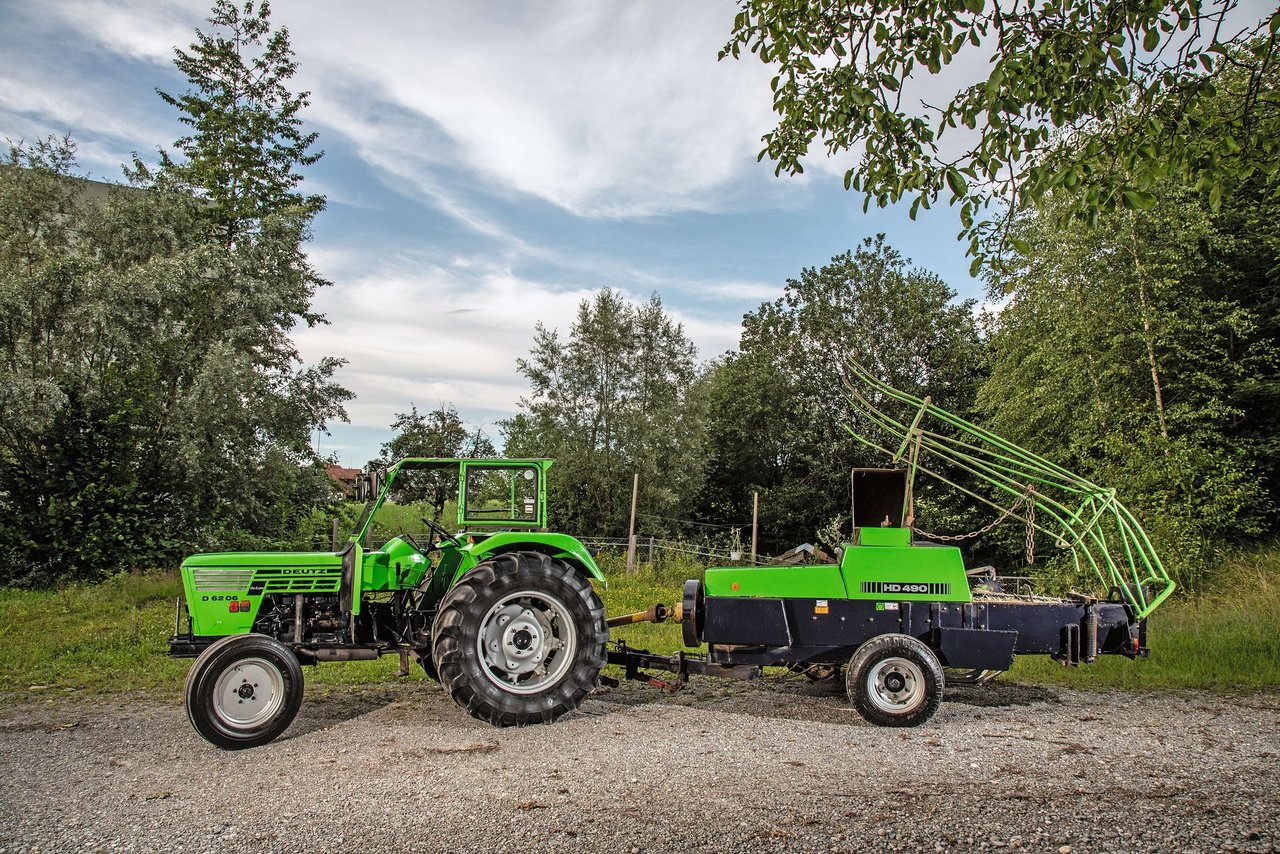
779,765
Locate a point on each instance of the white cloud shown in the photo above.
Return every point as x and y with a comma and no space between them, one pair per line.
142,29
603,110
427,333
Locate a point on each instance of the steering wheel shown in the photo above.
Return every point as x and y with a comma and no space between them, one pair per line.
441,535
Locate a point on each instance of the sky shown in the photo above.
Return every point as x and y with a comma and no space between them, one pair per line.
487,166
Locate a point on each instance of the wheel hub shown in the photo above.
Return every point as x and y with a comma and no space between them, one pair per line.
526,642
248,693
896,685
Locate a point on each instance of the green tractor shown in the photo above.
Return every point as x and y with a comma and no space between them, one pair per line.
502,613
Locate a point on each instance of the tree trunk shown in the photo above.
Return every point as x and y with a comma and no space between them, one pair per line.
1147,336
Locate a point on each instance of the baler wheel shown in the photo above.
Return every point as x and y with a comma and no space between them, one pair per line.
520,639
895,680
243,691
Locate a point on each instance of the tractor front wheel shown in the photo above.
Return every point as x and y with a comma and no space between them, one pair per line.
520,639
895,680
243,691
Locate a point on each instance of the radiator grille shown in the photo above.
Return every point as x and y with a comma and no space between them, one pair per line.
268,580
290,581
236,578
913,588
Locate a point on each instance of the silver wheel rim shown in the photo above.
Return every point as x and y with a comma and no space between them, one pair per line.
896,685
249,693
526,642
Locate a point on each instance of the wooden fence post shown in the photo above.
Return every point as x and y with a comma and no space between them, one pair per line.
755,523
631,537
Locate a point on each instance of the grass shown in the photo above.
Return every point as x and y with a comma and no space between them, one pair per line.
1222,639
111,638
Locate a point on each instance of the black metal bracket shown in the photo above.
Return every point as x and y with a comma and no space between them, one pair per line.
681,664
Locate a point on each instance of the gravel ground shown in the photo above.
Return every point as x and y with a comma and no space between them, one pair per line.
778,765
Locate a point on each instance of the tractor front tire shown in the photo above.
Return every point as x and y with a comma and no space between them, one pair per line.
243,691
520,639
895,680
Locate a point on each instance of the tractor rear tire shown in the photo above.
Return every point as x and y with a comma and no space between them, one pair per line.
243,691
895,680
423,655
520,639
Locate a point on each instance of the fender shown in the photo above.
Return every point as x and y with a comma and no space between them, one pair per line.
481,547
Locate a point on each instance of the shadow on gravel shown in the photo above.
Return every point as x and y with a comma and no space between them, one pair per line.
787,696
794,697
997,694
324,711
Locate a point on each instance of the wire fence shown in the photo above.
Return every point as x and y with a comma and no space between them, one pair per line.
653,549
649,549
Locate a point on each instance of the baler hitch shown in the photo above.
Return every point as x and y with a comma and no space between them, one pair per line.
632,660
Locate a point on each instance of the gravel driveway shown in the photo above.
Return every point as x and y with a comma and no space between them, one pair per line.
776,765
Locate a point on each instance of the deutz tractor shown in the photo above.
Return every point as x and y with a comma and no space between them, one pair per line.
503,614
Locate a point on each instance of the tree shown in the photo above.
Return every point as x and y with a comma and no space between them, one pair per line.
777,408
153,400
618,397
148,407
247,140
439,433
1144,353
873,80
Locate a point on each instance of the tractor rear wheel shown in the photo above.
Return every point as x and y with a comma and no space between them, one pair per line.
520,639
423,657
243,691
895,680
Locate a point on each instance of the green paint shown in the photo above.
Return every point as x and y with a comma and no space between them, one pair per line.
211,581
491,493
905,574
882,536
887,573
561,546
807,582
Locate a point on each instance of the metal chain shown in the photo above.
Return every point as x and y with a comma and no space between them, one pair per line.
985,529
1031,529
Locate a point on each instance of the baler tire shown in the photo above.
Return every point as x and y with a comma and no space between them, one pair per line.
210,688
895,680
529,598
